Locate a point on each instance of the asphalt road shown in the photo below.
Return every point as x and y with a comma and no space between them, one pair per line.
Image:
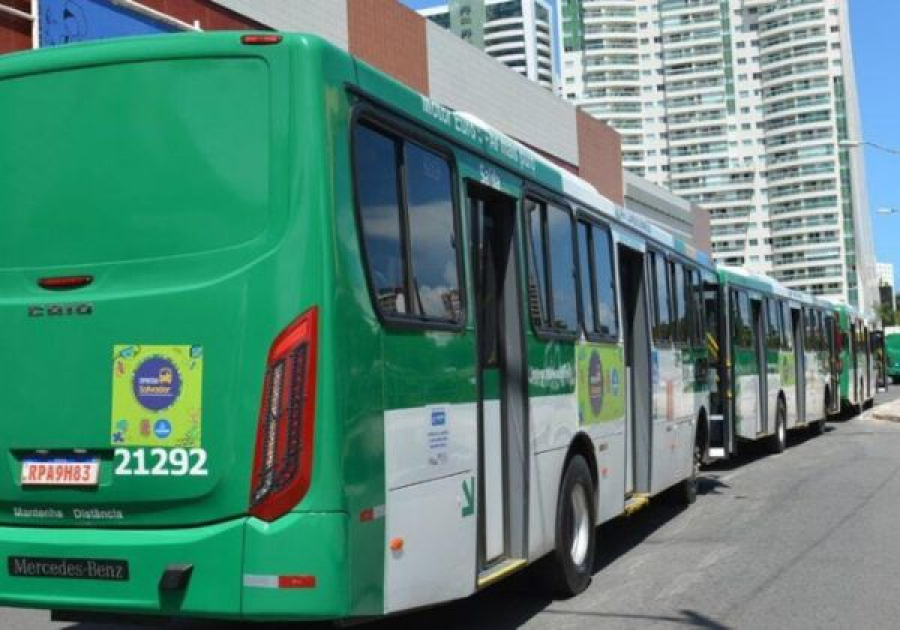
806,539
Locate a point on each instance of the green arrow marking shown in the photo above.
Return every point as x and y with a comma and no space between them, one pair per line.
468,488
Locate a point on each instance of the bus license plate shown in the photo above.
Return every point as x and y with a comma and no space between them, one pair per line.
60,472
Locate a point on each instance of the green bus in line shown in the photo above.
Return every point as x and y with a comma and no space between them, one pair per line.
892,357
856,361
292,341
774,366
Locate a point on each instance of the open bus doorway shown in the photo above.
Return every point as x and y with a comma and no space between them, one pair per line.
502,426
636,328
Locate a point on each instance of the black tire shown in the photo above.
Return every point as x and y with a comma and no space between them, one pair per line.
685,491
568,569
778,441
895,380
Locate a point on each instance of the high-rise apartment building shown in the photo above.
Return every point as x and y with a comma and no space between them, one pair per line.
741,107
522,34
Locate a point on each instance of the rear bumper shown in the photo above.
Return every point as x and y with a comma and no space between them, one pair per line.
236,565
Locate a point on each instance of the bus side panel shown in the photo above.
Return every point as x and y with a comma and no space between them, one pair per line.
358,367
553,423
601,396
665,383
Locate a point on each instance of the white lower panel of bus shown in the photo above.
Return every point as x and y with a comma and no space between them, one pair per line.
494,492
437,560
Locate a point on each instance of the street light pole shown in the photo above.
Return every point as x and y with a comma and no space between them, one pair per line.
855,144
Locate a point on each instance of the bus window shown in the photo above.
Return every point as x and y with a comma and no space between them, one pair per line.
788,332
585,264
607,315
680,333
552,267
378,195
661,312
773,316
537,267
429,199
741,327
562,269
413,269
696,310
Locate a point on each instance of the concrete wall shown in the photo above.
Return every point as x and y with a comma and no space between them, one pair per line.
465,78
327,18
672,213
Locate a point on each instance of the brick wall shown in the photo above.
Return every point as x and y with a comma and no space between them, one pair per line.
15,33
392,38
600,157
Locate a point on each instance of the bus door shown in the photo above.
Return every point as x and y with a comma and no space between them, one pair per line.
833,333
720,440
758,323
797,325
502,395
878,351
870,363
636,329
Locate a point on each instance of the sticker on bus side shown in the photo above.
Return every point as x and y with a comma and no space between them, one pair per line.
601,395
156,396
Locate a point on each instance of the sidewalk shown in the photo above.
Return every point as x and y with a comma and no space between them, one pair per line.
887,411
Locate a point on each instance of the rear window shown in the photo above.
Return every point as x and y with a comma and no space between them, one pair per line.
133,161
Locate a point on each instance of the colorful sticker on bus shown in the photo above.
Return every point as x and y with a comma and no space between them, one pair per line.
601,383
156,396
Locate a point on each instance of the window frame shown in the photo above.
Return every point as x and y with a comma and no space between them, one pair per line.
676,268
654,254
546,199
584,219
379,121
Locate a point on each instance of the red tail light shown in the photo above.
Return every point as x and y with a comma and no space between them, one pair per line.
284,450
261,40
65,283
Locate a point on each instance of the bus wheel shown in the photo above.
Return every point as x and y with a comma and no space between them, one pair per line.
685,492
778,442
568,570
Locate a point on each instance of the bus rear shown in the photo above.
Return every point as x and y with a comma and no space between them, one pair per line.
892,357
160,316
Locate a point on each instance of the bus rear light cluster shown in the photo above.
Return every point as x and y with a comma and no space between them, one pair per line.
261,40
282,464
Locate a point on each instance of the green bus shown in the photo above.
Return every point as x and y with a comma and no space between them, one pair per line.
774,364
317,346
856,361
892,357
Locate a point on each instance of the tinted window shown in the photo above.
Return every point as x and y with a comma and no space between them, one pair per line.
379,208
679,304
607,315
773,337
696,306
562,267
552,268
788,327
409,239
662,318
588,297
741,328
537,267
429,200
598,291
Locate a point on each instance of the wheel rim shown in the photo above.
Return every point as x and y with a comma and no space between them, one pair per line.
581,524
781,433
